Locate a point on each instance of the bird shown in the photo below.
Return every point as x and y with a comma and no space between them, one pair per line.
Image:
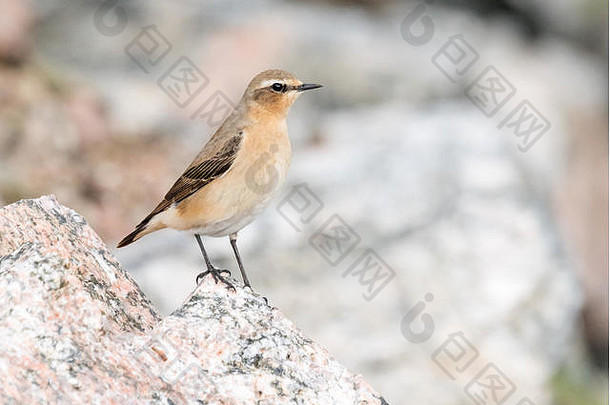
236,174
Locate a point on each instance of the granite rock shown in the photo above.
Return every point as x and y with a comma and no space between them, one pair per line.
76,328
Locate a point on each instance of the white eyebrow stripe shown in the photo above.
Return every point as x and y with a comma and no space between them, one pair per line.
268,83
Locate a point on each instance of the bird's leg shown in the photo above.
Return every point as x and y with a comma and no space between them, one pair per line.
215,272
233,239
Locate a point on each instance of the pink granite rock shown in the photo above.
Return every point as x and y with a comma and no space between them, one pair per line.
16,23
76,328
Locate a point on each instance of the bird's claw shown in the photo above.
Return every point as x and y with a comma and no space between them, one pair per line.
217,276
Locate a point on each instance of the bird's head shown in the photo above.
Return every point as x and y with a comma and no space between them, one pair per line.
275,90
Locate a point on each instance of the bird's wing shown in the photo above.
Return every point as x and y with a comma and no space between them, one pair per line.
215,159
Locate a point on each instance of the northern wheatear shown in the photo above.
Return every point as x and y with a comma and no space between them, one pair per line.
236,174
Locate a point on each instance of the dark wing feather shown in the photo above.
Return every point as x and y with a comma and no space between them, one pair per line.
198,174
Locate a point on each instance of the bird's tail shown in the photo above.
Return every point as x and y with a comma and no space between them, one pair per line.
142,229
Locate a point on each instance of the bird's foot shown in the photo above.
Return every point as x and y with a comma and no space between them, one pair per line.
217,276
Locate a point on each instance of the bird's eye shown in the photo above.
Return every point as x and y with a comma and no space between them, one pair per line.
279,87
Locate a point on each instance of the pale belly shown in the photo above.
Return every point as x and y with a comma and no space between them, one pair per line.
234,200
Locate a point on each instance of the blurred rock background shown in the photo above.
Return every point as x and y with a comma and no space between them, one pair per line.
512,246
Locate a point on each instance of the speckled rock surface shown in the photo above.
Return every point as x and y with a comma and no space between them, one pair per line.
76,328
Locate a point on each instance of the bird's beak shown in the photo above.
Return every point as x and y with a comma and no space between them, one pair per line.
304,87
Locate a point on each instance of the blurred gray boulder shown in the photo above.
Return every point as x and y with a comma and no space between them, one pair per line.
447,201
